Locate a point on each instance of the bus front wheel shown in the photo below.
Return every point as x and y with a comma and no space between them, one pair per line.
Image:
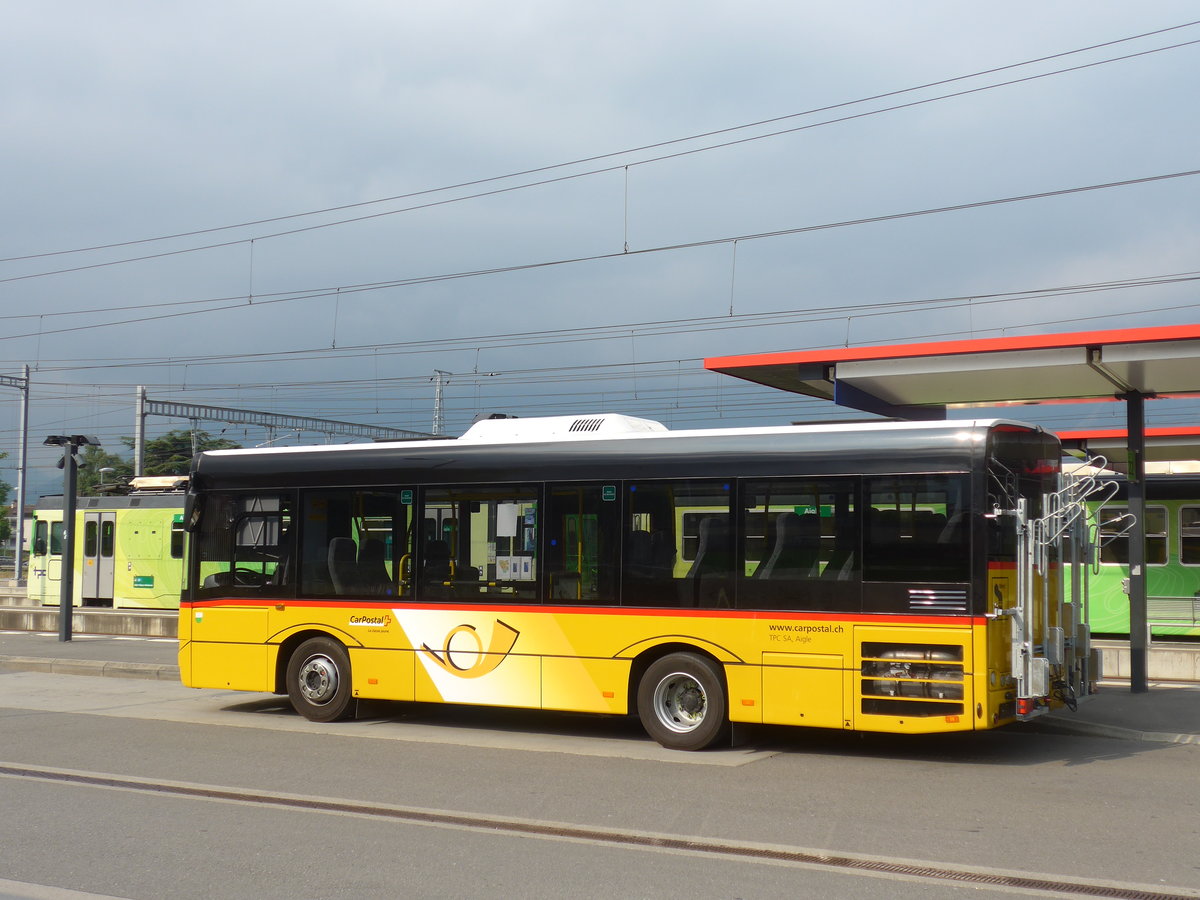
681,702
318,680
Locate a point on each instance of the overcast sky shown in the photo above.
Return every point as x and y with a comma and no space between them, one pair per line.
259,205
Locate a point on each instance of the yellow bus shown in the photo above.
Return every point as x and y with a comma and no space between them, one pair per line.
882,577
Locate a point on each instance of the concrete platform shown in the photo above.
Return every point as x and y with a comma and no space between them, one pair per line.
1165,661
136,622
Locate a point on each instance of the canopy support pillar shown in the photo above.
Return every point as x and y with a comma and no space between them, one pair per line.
1139,632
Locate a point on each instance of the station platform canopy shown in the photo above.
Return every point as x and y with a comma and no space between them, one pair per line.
1167,450
921,381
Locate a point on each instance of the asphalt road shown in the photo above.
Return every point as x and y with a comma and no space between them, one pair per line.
145,789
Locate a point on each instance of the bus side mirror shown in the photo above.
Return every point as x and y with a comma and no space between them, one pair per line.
191,512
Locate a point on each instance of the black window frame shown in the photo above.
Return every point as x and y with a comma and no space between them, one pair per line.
216,539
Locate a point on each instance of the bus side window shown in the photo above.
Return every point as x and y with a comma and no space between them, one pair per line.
800,545
357,542
678,545
582,527
479,541
916,530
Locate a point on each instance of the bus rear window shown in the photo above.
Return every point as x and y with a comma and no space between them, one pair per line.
1022,463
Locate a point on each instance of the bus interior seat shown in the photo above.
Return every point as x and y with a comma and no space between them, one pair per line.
839,566
638,558
217,579
662,553
372,567
283,571
435,569
343,565
642,582
566,586
927,528
797,548
711,571
955,530
884,527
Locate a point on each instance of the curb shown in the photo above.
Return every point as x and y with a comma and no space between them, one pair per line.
93,667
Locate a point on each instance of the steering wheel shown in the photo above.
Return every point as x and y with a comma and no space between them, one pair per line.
249,578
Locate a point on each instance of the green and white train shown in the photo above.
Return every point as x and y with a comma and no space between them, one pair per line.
1172,526
128,549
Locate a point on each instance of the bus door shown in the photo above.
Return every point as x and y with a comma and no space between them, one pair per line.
99,532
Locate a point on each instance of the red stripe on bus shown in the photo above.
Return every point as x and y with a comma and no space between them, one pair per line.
861,618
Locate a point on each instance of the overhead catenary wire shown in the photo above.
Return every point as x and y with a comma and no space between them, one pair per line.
603,170
559,374
337,291
831,312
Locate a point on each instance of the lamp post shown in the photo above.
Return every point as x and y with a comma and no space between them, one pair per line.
70,462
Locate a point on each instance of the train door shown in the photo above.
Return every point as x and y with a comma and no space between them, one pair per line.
44,577
99,540
35,575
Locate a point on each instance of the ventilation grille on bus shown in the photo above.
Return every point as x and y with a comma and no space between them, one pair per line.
946,600
586,425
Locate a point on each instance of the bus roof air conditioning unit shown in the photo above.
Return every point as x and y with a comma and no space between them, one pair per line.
551,428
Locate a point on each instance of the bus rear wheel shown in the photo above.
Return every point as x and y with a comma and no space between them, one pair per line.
318,680
682,703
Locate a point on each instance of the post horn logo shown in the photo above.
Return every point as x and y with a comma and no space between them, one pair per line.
504,636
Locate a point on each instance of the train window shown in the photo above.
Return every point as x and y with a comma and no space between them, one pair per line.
582,525
1114,545
479,541
1189,535
177,538
108,534
677,547
357,543
39,538
56,538
800,545
245,545
89,538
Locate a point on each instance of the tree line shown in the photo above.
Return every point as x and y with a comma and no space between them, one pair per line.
170,454
102,472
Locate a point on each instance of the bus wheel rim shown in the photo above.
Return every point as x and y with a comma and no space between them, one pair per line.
318,680
680,702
